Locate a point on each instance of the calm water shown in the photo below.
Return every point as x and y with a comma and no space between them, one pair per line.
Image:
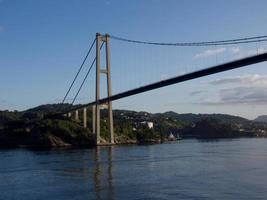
190,169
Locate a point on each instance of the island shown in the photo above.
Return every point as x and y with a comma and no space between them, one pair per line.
40,127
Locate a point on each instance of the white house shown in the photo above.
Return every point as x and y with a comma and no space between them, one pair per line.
149,124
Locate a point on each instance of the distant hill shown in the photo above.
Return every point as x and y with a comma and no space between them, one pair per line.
42,127
261,118
190,117
50,108
132,115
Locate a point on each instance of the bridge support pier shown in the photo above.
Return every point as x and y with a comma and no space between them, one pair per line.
85,117
93,119
100,39
77,115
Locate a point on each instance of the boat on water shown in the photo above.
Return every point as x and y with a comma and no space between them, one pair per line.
172,137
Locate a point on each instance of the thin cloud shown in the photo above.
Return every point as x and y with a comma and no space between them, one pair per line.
248,95
246,79
239,53
1,27
235,96
164,77
235,50
248,89
238,95
257,51
197,92
209,53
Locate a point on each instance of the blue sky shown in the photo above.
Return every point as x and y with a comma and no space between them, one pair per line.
42,44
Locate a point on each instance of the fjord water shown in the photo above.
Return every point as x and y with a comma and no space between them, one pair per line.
189,169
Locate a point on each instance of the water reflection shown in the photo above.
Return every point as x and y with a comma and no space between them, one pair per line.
110,175
103,175
186,170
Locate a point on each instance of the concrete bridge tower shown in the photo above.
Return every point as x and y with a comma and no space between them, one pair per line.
106,71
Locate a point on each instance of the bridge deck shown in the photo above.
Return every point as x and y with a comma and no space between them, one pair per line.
186,77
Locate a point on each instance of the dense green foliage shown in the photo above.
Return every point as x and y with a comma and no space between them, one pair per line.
144,135
40,127
194,118
51,108
45,133
214,128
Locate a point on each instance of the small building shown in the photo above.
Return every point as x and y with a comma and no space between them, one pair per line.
150,125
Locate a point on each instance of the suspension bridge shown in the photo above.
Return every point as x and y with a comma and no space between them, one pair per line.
104,41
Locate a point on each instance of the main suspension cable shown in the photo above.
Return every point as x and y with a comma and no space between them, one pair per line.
205,43
85,58
92,64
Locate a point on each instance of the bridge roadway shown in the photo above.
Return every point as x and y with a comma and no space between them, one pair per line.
181,78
